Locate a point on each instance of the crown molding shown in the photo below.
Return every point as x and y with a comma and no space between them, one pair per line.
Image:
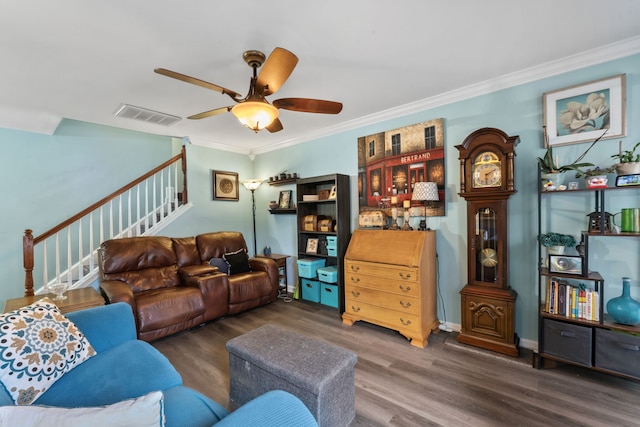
580,60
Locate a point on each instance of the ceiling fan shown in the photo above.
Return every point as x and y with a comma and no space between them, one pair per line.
253,110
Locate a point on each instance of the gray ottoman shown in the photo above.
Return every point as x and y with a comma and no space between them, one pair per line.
318,373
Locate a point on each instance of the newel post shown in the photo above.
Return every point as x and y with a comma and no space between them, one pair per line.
185,196
27,256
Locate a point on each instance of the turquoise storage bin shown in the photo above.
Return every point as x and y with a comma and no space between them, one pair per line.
311,290
329,294
307,267
332,242
328,274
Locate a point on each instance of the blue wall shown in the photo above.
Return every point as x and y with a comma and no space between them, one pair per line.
517,111
48,178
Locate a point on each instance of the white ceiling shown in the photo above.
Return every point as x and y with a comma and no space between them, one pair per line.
82,59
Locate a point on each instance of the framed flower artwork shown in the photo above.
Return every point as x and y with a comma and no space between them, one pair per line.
585,111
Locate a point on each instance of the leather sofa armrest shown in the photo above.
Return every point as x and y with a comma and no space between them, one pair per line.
267,265
196,270
215,293
118,291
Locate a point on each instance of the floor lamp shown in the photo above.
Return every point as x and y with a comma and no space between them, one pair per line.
427,192
252,185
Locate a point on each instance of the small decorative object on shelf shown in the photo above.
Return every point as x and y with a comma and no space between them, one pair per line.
629,160
624,309
394,213
406,205
267,250
628,180
59,288
598,181
283,178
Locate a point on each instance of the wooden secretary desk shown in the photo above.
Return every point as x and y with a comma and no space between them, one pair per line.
390,280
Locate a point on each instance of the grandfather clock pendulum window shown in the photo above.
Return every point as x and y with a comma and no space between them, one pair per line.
486,233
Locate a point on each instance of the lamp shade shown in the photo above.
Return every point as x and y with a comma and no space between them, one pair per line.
427,191
256,115
251,184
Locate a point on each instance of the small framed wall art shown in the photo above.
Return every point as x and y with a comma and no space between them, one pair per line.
583,112
225,185
312,245
284,202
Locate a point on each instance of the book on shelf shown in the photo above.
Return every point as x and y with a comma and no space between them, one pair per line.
573,300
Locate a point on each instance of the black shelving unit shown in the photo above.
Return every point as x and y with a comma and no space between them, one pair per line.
337,208
602,344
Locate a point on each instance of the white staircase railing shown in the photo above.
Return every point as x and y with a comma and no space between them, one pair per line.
68,252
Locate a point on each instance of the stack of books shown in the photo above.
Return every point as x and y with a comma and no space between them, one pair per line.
571,300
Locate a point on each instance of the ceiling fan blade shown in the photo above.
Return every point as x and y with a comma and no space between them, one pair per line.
210,113
198,82
307,105
275,126
276,70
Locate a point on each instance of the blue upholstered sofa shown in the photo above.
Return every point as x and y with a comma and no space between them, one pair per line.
126,368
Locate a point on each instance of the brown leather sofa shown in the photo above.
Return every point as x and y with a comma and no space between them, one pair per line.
170,285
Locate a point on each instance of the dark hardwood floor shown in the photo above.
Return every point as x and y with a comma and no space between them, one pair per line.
444,384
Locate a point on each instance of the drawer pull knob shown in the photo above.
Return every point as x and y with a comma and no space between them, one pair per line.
355,293
356,309
355,279
405,276
567,334
403,289
355,268
405,323
405,304
629,346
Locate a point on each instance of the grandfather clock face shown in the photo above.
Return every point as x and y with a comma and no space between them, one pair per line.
486,170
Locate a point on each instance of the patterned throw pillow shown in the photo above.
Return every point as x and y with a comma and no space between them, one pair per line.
38,345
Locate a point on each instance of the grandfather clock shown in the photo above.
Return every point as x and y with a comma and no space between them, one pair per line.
486,182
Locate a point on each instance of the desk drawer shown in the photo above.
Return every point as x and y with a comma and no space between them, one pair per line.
568,341
387,271
382,284
388,318
403,303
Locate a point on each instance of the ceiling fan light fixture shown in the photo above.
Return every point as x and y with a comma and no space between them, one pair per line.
256,115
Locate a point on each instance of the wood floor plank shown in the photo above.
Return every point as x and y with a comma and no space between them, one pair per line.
445,384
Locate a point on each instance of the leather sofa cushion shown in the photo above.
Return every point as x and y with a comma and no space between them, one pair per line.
137,253
149,279
186,251
215,245
248,286
167,307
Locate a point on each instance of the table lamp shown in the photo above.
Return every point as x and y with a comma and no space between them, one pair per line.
427,192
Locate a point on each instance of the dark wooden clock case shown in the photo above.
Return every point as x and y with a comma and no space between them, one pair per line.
488,306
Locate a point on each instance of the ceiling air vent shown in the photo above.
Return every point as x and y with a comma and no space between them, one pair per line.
144,115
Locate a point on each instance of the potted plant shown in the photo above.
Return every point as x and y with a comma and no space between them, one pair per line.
629,160
555,243
551,171
556,239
